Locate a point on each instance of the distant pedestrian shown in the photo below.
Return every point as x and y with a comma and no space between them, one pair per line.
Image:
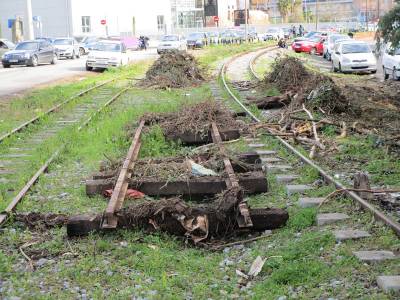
301,30
294,31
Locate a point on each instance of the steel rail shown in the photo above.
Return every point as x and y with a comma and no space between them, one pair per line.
31,182
378,214
51,110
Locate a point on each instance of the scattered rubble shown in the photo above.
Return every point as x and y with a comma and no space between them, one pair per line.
173,70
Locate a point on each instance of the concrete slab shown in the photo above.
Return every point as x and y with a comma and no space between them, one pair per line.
374,256
282,178
350,234
330,218
292,189
277,168
15,155
309,202
257,145
265,152
270,160
389,283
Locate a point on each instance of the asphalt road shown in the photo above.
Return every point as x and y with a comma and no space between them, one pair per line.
19,79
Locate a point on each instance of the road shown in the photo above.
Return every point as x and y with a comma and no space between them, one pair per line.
19,79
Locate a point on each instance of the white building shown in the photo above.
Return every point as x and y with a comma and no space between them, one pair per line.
84,17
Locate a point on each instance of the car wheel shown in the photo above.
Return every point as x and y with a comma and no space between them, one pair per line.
340,68
81,52
385,75
78,55
334,69
34,62
6,66
324,55
88,68
73,55
394,76
54,60
328,56
313,51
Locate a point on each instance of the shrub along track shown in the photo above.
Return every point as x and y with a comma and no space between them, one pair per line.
273,166
31,143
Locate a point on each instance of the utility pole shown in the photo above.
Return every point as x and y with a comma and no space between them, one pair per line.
316,14
28,26
366,15
246,30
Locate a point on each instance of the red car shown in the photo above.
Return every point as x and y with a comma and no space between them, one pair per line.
313,45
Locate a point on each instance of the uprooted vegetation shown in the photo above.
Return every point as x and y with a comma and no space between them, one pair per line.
173,70
196,120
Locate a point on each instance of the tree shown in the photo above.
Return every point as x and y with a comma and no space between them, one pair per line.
389,27
284,7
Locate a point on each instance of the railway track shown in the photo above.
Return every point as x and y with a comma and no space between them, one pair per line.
349,229
18,154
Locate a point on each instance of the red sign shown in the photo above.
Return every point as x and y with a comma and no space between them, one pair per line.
103,22
216,19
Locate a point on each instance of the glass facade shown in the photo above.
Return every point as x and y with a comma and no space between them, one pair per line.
187,13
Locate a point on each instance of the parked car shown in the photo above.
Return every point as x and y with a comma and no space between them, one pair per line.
67,47
229,37
287,32
391,62
213,38
196,40
172,42
48,39
309,35
87,44
330,43
274,34
30,53
353,56
313,45
106,54
5,46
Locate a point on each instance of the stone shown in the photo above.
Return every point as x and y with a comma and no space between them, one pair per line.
286,178
389,283
374,256
330,218
265,152
309,202
350,234
297,188
277,168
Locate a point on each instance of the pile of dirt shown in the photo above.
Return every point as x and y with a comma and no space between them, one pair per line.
173,70
196,119
316,90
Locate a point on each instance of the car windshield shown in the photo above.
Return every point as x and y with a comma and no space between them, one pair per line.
334,38
397,51
170,38
355,48
195,36
315,39
27,46
107,47
62,42
272,30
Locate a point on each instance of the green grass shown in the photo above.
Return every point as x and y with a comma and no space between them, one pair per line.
302,260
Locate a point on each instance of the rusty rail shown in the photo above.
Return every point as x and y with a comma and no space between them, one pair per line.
378,214
110,221
245,219
11,207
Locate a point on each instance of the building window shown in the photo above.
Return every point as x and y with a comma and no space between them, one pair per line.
160,23
86,24
199,4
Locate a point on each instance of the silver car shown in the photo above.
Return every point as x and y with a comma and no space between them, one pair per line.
172,42
67,47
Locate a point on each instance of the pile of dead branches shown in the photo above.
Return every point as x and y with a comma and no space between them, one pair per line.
302,86
196,118
173,70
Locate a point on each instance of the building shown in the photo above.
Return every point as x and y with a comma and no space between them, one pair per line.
58,18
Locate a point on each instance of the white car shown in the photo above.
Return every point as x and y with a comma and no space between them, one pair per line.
353,56
330,43
107,54
172,42
67,47
391,62
274,34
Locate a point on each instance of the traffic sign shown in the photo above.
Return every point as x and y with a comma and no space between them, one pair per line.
103,22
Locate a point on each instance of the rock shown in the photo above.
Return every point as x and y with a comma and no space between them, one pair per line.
330,218
41,262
